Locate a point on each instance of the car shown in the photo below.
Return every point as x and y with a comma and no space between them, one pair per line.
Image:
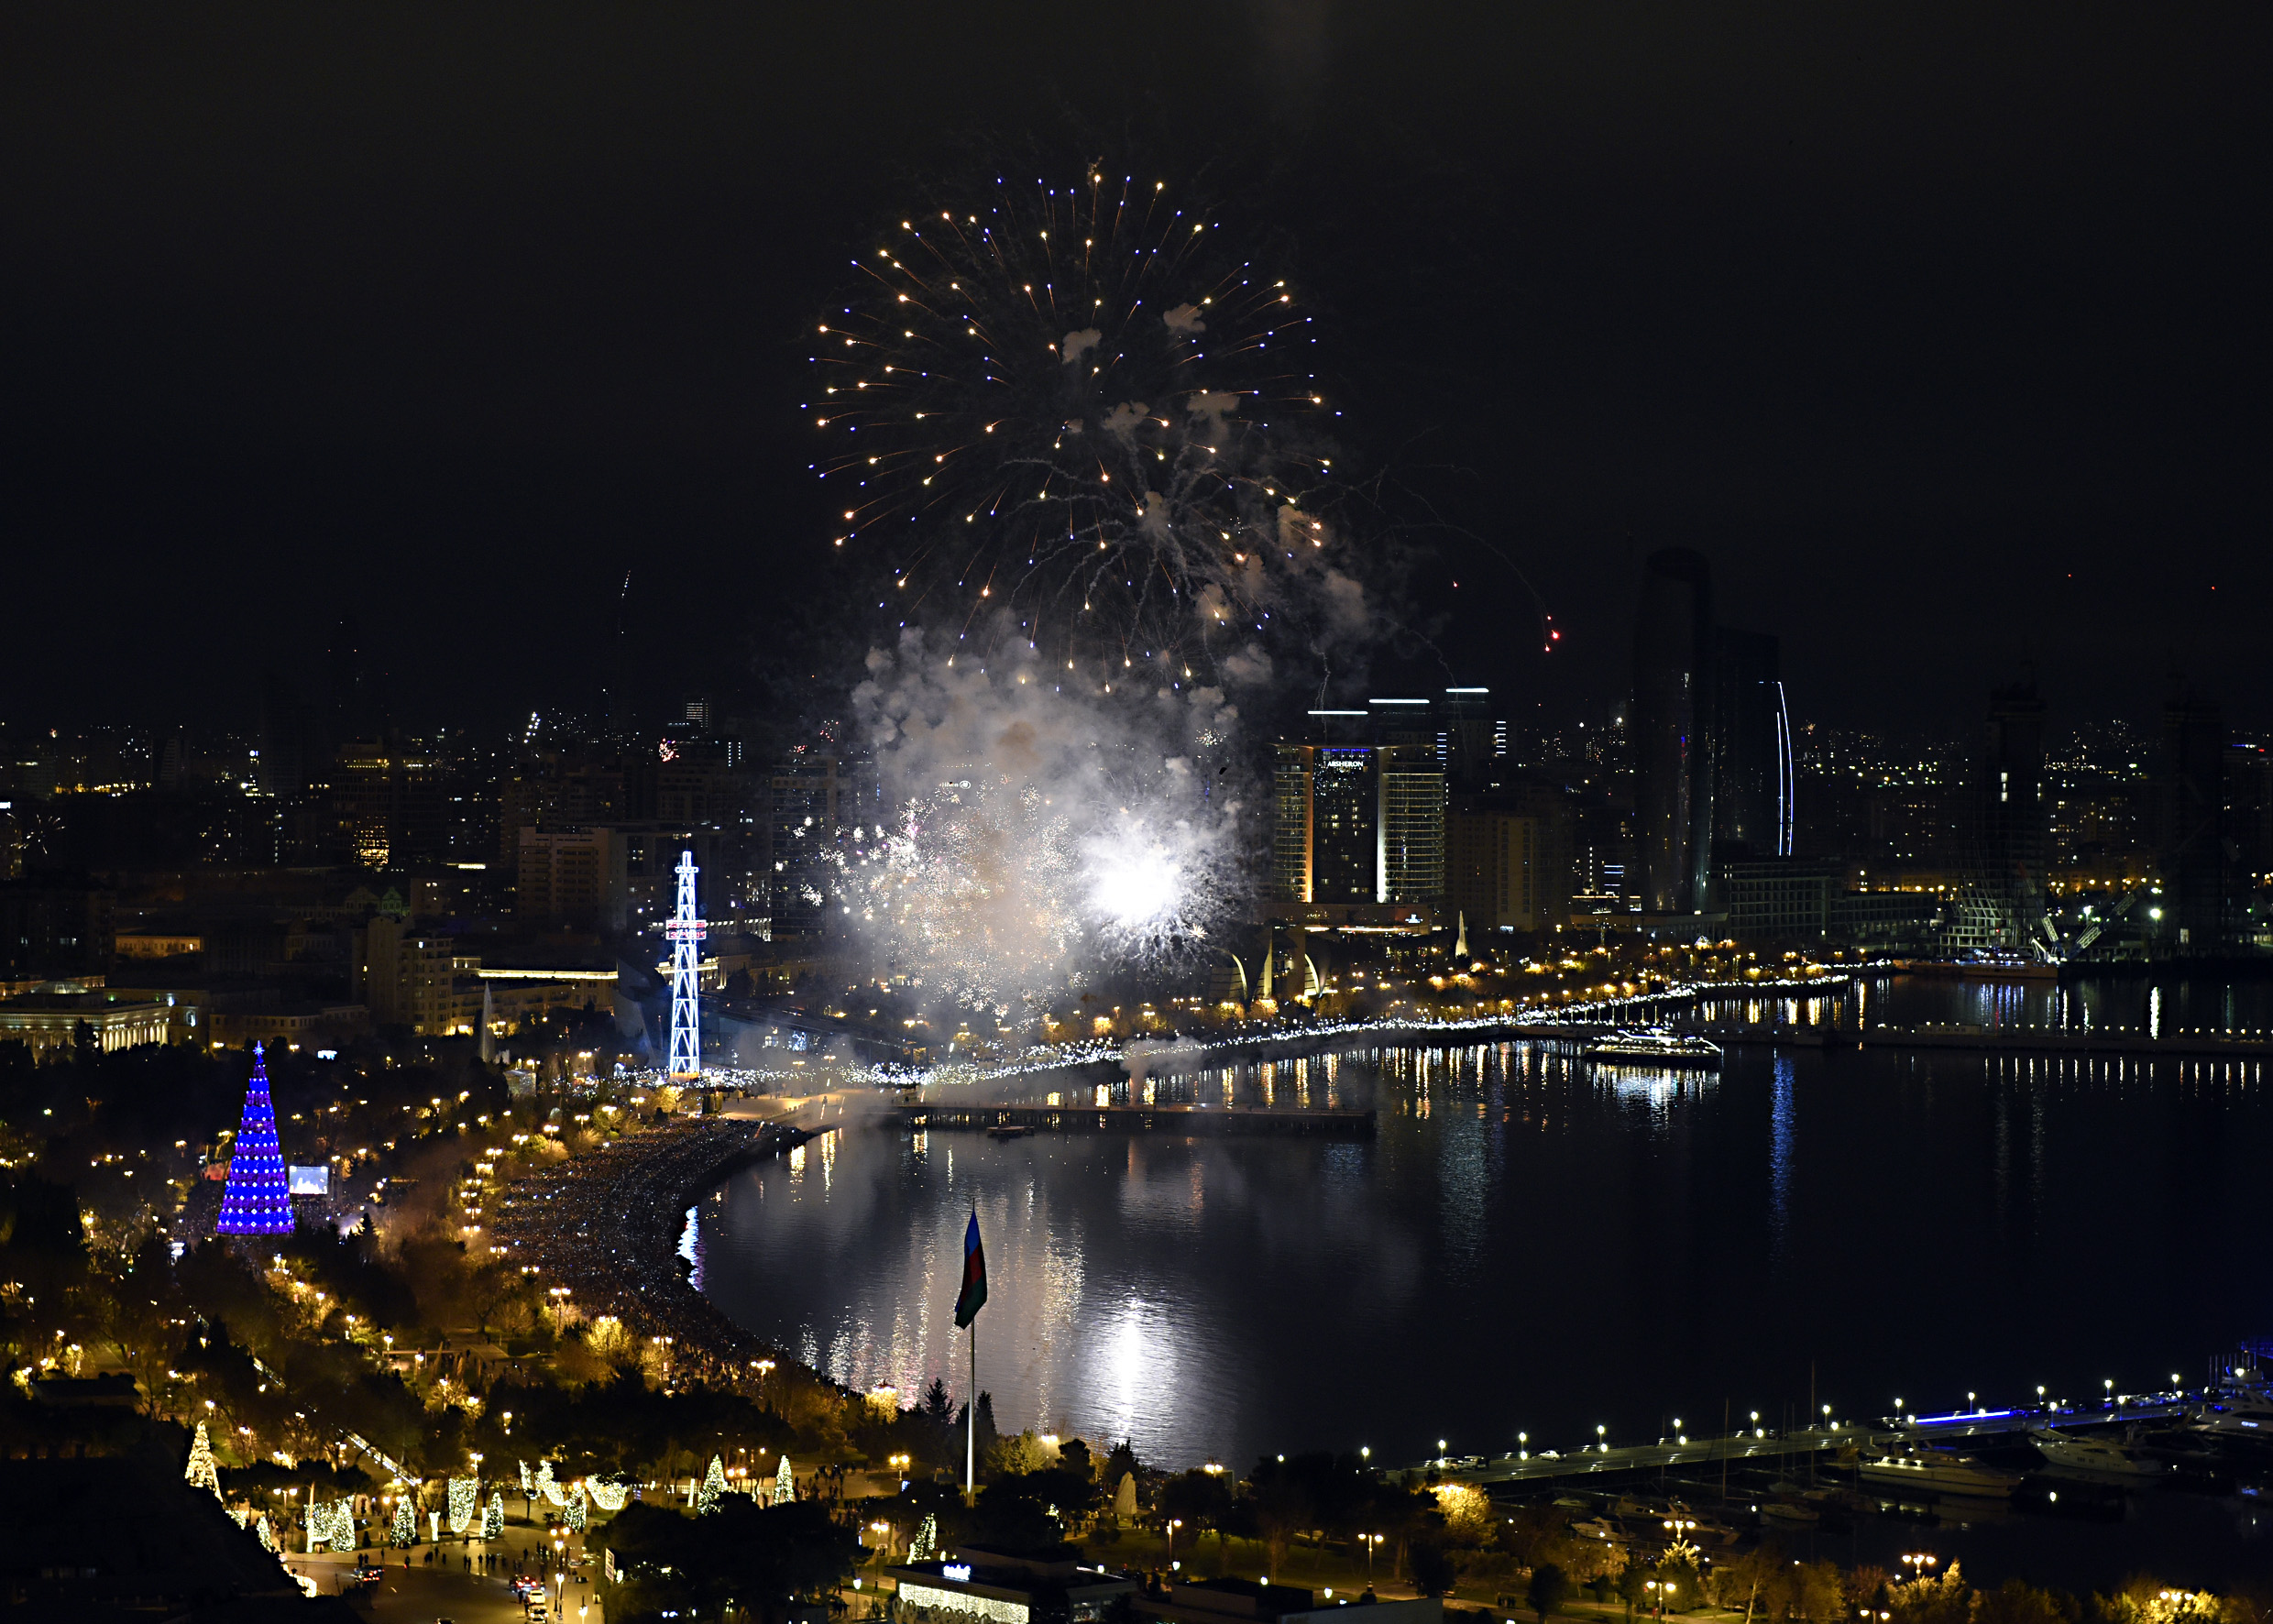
367,1573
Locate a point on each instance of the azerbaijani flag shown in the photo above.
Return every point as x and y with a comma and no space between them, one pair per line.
973,1297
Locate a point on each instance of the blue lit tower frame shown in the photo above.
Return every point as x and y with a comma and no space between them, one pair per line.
258,1199
685,932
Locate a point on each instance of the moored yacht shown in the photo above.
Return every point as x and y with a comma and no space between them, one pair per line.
2095,1455
1938,1469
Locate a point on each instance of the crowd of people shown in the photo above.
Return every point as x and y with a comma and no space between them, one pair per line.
605,1227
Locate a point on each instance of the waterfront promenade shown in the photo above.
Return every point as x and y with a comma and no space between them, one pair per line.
1145,1119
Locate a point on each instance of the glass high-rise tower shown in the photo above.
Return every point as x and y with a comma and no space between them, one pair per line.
1670,728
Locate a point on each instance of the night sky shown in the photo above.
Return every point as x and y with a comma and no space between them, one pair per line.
1942,330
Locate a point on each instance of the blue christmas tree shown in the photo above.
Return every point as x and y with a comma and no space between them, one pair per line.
258,1199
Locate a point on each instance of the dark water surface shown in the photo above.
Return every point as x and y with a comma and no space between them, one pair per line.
1534,1244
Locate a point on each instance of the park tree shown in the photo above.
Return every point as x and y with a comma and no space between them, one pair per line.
1549,1588
1631,1582
1200,1500
2018,1602
759,1558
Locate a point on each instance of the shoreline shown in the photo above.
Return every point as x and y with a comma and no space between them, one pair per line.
637,1279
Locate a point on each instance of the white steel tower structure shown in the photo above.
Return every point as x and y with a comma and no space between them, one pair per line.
685,933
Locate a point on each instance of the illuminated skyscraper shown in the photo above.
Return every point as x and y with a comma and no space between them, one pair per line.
258,1199
1289,830
1410,824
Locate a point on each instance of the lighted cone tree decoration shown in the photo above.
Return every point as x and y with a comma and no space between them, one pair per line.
577,1517
493,1519
202,1472
405,1531
784,1483
261,1532
926,1545
713,1485
258,1199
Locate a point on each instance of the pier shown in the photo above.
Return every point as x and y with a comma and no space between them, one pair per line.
1879,1437
1139,1119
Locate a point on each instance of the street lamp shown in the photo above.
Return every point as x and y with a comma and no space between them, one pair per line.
1372,1540
1173,1524
1522,1447
1601,1439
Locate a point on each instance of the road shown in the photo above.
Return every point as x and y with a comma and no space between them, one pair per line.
421,1593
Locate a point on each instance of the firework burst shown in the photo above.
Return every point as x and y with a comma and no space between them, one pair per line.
1074,422
973,889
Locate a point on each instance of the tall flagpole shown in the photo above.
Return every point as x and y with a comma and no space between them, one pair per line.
971,1441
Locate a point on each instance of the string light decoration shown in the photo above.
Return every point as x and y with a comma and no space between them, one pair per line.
1071,420
577,1516
713,1485
607,1497
784,1482
405,1531
524,1477
493,1519
258,1199
332,1525
548,1485
927,1542
240,1515
988,1607
201,1473
464,1495
261,1532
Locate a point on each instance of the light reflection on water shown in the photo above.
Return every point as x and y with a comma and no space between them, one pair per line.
1529,1242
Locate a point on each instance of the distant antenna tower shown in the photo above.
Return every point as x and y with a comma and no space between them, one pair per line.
685,933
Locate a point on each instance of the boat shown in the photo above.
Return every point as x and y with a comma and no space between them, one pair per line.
1008,1131
1937,1469
2073,1453
1790,1515
2237,1412
1657,1048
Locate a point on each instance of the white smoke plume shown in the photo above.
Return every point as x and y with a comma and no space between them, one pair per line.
1046,832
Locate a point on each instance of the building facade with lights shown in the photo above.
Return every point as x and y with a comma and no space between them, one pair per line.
1000,1587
